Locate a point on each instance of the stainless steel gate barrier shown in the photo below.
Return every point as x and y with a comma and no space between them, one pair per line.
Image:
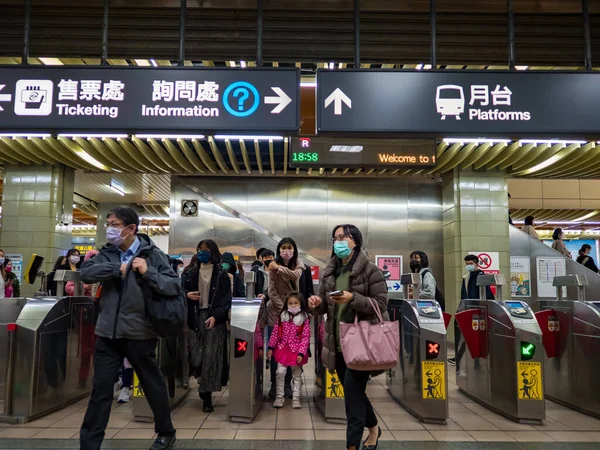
497,363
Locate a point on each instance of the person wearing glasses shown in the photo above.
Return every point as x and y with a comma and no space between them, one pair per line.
350,283
128,266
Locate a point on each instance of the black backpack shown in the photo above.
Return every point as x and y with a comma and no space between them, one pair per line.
439,297
166,314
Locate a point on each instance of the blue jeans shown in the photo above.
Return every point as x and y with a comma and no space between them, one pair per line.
288,373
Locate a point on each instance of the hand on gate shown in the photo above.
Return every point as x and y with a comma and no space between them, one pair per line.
269,355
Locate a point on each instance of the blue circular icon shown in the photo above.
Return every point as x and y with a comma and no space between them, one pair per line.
241,104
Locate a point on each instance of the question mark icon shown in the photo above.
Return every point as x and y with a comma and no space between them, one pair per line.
242,95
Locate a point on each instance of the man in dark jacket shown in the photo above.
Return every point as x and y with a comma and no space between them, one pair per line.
469,290
260,284
129,264
307,287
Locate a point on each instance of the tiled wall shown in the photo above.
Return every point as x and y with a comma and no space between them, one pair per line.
34,199
475,218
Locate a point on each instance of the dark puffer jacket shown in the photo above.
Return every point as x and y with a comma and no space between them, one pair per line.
366,281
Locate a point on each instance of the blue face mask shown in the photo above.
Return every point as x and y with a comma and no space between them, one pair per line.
204,256
226,266
470,268
341,249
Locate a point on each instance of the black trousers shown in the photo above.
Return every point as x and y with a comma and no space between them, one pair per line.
108,358
359,411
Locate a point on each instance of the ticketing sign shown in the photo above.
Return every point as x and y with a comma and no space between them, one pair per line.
152,99
465,103
392,153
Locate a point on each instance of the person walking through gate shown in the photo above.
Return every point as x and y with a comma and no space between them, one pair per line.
123,328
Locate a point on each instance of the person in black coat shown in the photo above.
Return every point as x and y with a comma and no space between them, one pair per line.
585,259
469,289
237,282
208,290
306,283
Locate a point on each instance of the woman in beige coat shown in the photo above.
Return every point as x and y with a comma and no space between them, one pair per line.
559,244
529,228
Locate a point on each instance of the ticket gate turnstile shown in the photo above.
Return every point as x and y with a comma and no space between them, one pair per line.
168,354
571,339
49,355
499,355
419,381
329,395
246,366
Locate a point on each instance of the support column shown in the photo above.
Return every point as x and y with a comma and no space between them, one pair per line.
37,214
475,219
103,210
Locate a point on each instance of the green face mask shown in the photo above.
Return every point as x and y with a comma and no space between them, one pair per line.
226,266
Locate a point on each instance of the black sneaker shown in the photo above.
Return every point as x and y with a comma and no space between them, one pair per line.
164,442
273,392
452,361
208,405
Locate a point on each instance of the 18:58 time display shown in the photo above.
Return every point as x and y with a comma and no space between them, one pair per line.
305,157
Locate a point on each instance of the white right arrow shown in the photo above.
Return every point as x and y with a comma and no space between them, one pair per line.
4,97
282,100
337,97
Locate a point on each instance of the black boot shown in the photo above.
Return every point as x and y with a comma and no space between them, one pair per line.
208,406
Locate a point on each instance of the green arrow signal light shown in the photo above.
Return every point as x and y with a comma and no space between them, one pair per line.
527,351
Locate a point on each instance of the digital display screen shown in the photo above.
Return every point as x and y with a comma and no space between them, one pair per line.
514,304
425,304
351,152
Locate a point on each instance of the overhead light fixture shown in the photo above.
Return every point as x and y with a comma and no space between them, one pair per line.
75,206
419,66
169,136
232,63
142,62
99,136
551,141
427,67
153,62
243,64
521,67
475,141
25,135
308,84
340,65
331,65
587,216
248,138
117,187
52,61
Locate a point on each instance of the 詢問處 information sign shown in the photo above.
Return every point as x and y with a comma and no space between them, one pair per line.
474,103
113,98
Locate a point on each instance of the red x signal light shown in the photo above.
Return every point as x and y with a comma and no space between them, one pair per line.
241,347
432,349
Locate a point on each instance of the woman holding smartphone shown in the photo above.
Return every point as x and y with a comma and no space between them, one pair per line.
350,283
208,290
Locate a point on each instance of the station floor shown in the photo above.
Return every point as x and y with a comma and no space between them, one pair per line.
470,426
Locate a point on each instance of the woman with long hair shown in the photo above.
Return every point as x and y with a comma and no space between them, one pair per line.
12,287
585,259
529,227
208,290
559,244
284,277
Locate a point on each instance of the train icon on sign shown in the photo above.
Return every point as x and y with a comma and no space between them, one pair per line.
450,101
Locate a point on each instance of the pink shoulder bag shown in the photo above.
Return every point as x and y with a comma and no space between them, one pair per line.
370,347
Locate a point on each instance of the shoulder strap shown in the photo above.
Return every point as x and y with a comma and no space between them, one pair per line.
585,260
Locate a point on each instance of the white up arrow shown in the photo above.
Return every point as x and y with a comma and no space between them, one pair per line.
4,97
281,100
337,97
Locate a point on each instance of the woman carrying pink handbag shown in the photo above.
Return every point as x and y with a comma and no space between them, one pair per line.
354,292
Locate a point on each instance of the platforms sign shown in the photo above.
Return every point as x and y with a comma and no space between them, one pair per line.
152,99
430,103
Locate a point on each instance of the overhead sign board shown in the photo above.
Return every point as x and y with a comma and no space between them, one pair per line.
465,103
134,99
345,152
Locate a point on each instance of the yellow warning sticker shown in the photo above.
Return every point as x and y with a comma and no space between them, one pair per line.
137,386
333,386
529,375
434,380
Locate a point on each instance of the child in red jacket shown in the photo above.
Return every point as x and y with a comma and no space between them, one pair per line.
289,346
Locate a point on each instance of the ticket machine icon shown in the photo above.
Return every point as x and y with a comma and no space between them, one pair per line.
450,101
